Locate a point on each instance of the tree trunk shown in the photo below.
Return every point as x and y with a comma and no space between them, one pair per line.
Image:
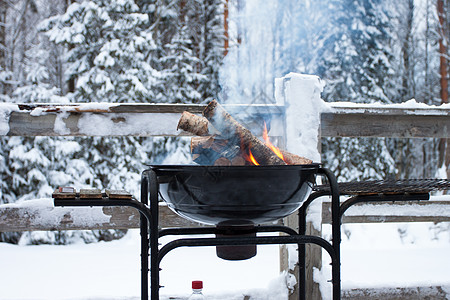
225,28
443,51
444,143
3,10
406,51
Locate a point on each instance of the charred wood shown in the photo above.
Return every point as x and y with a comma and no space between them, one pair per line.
207,149
293,159
235,133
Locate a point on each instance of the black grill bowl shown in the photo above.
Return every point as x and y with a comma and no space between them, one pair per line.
241,194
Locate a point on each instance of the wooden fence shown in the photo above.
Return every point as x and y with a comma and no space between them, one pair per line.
340,120
28,216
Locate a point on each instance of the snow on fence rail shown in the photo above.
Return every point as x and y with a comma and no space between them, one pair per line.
106,119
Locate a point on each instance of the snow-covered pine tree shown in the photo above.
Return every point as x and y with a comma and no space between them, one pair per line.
109,47
356,64
210,46
22,56
107,51
414,158
163,18
357,59
181,74
4,74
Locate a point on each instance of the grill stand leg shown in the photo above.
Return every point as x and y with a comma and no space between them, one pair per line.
302,247
154,232
336,236
336,232
144,241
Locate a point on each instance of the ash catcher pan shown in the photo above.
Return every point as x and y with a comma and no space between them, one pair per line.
234,229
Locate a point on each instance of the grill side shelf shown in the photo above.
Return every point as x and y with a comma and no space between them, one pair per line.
388,187
62,195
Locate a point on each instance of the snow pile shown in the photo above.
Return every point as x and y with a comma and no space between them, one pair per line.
301,95
112,271
398,210
51,108
5,111
60,126
120,124
418,258
48,215
411,104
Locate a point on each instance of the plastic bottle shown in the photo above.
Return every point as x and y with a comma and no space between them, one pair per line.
197,287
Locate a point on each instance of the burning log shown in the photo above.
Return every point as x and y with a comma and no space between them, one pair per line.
209,149
193,124
293,159
206,142
234,144
222,162
239,135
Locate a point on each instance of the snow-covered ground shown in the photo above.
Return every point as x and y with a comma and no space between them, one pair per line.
376,255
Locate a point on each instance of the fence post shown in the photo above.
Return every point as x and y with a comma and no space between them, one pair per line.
300,94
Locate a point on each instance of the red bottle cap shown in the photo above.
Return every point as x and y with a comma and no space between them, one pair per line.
197,285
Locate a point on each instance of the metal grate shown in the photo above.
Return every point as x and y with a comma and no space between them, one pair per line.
411,186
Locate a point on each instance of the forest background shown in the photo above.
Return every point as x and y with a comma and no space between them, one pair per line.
192,51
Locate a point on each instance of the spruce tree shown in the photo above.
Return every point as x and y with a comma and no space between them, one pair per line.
180,75
357,67
109,47
107,51
210,34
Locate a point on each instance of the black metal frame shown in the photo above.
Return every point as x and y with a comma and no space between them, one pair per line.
150,187
338,210
150,233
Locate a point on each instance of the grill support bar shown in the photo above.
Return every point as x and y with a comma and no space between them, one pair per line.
381,198
336,235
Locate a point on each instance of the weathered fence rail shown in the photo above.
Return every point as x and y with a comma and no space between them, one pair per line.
385,121
28,216
116,119
161,120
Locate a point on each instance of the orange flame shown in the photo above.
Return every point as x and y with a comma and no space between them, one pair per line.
270,145
252,158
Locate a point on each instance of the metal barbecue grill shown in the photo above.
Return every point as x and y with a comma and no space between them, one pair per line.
184,192
236,199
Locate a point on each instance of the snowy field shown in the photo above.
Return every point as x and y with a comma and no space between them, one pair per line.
376,255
